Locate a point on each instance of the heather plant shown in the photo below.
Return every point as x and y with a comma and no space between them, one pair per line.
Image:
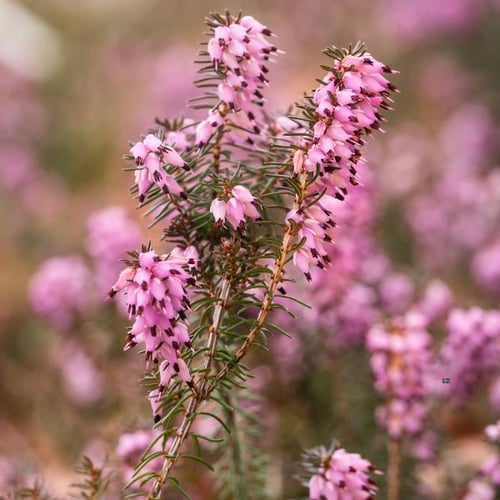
239,194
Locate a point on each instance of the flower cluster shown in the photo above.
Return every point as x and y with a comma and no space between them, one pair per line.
151,155
60,290
470,351
240,203
156,296
338,474
110,233
239,52
487,480
343,109
347,106
400,360
448,220
316,226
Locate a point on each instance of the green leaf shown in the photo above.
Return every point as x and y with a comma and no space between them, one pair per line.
177,485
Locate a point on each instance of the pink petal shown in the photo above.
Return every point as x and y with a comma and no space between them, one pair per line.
218,209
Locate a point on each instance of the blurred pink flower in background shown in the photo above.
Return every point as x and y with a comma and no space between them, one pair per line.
131,447
485,267
468,354
487,480
400,357
23,124
436,300
82,382
61,290
413,22
442,81
111,232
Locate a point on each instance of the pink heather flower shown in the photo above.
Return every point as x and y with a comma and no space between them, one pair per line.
400,360
396,292
492,432
479,489
82,381
218,210
469,352
240,52
156,297
491,469
111,232
401,417
411,21
316,228
154,397
446,216
486,267
449,220
338,474
60,290
424,447
241,203
207,127
437,299
181,139
347,106
151,155
358,88
487,479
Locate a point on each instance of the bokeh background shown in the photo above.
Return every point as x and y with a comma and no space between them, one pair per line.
78,80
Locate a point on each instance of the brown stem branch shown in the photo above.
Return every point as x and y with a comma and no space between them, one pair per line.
197,398
393,448
203,392
277,274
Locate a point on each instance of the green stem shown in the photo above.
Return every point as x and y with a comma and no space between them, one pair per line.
240,487
198,396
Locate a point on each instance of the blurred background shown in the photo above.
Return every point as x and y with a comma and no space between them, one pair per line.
78,80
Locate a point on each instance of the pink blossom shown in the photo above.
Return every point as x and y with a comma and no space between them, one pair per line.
411,22
436,300
469,352
240,53
61,290
151,155
241,203
111,232
400,360
486,267
131,447
347,106
487,479
337,473
156,296
82,381
396,292
492,432
218,209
